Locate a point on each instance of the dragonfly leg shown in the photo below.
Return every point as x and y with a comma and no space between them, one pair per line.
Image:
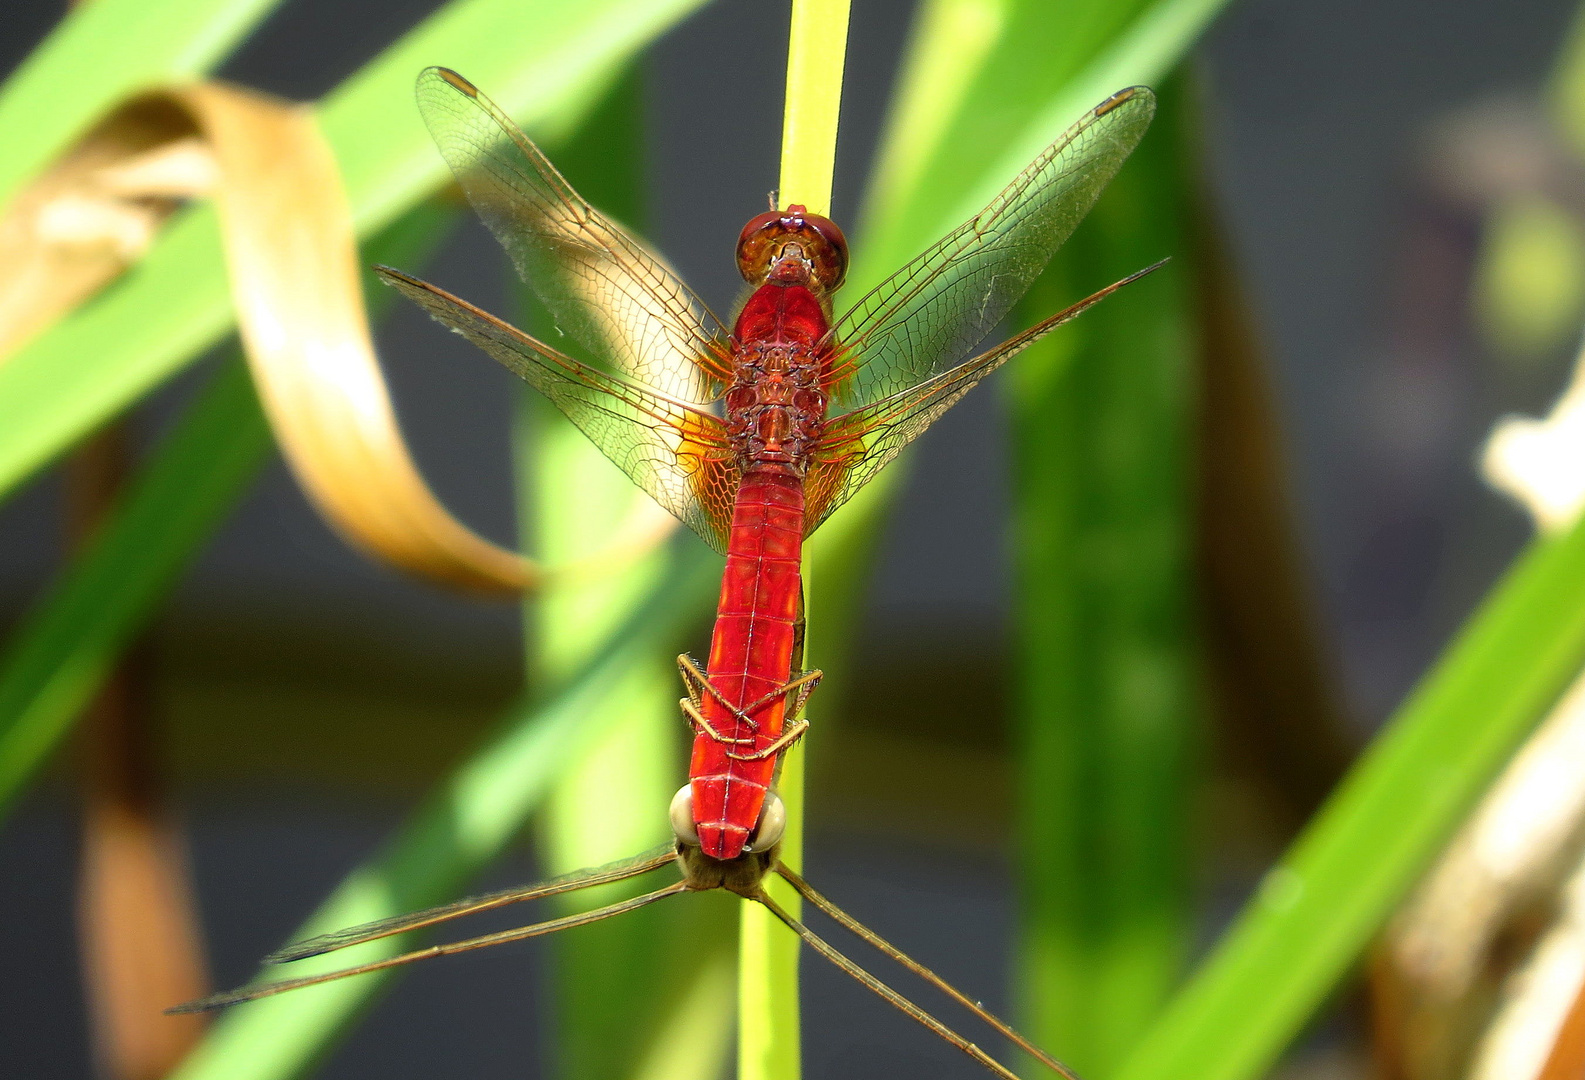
803,685
699,684
800,688
253,993
415,920
794,732
703,726
693,679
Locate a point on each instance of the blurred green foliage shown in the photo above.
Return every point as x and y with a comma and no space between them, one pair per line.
1107,700
1529,286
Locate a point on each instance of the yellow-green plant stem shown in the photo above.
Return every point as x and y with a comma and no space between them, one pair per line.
768,1020
816,54
964,77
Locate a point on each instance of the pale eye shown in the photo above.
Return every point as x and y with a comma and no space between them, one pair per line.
682,816
772,825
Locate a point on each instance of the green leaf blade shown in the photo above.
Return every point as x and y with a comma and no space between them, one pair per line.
1316,911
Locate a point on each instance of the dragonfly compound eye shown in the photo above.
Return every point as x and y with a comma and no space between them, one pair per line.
772,824
682,816
813,239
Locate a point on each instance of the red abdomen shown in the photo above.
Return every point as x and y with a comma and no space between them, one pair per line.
750,656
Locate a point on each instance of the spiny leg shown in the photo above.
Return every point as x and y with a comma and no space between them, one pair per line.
236,997
848,922
696,717
801,687
804,685
883,991
794,732
698,685
694,679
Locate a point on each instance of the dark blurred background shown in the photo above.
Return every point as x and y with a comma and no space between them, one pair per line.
1320,118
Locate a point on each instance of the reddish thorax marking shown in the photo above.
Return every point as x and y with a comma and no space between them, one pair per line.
774,410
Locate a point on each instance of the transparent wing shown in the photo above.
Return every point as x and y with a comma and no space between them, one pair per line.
673,450
415,920
522,933
604,287
855,446
926,316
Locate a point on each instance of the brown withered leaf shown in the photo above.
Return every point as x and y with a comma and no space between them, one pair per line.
292,258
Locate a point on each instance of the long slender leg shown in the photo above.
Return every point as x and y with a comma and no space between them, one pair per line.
805,690
805,685
794,732
698,685
881,990
848,922
415,920
236,997
801,687
694,680
691,711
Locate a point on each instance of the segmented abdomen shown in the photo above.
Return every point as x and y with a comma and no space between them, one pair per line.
750,655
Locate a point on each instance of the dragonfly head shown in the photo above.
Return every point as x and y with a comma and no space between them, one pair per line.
793,247
767,833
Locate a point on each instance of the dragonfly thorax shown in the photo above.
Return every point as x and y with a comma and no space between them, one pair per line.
775,407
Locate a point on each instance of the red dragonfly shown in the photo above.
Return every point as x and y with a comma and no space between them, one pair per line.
752,437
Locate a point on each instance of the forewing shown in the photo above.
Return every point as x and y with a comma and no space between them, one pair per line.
672,450
926,316
604,287
855,446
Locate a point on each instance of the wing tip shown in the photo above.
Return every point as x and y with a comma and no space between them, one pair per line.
206,1004
1124,96
392,276
456,81
1137,274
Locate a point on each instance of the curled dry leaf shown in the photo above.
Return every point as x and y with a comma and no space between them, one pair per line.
292,257
76,228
